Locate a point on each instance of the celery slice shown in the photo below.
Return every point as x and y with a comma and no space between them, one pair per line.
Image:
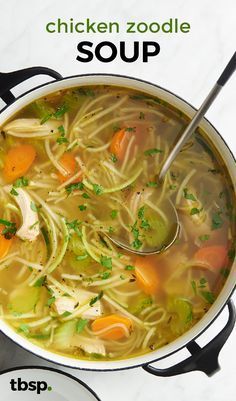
24,299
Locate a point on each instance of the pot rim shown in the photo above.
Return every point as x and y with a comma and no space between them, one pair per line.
230,284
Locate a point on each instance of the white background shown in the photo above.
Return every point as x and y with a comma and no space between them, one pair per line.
188,65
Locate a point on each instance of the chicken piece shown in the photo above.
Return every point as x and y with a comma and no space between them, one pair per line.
23,126
94,346
29,229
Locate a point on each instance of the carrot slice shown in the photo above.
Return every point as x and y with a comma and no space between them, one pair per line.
18,161
69,163
216,256
5,244
119,143
114,333
147,275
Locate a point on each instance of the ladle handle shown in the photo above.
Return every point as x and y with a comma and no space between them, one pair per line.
226,74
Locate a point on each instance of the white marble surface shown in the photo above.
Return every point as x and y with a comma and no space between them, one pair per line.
188,65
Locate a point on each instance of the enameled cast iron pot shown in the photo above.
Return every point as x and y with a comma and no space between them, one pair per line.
204,359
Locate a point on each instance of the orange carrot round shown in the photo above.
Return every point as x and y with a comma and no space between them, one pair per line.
118,144
18,161
114,333
69,163
216,256
147,275
5,244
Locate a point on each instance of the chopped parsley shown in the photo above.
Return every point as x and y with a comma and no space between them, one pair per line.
141,212
195,210
129,267
98,189
188,195
151,152
202,282
82,208
113,158
74,225
217,222
114,214
81,257
86,92
66,314
106,261
85,196
40,282
152,184
172,187
10,228
57,114
130,129
81,324
95,299
13,192
33,206
24,328
62,138
204,237
21,182
136,244
144,223
208,296
74,187
51,301
105,275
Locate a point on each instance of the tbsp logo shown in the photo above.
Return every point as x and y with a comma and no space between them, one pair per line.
21,385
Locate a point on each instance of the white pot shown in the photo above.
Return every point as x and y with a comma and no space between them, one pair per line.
200,357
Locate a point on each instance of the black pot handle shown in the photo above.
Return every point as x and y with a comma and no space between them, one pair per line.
9,80
204,359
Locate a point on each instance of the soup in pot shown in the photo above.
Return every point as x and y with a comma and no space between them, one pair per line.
80,165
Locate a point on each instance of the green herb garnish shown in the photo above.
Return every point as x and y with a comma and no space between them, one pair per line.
74,225
129,267
81,324
189,196
82,208
204,237
113,158
208,296
151,152
98,189
195,210
217,221
24,328
10,228
74,187
152,184
62,138
106,262
95,299
40,282
114,214
33,206
66,314
51,301
21,182
105,275
13,192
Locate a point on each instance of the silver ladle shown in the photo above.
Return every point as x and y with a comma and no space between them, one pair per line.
194,123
